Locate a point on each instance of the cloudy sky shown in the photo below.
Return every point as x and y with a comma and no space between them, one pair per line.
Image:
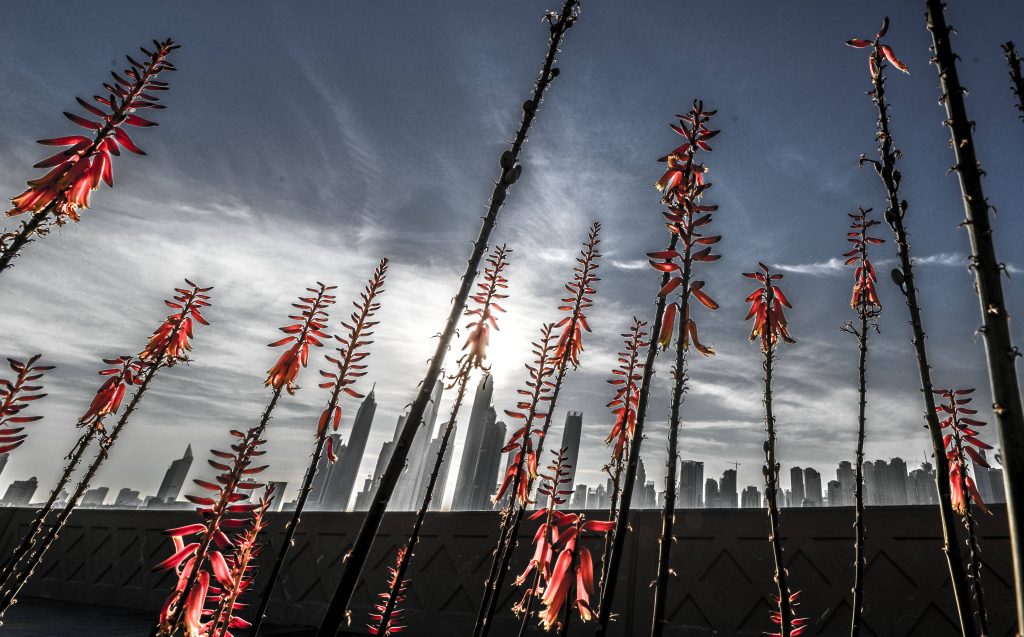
300,146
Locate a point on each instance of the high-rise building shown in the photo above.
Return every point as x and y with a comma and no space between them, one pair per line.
989,480
846,476
324,470
571,435
174,479
279,489
3,461
411,485
579,498
812,488
95,497
127,499
473,448
20,492
711,494
834,493
727,496
796,487
750,498
362,502
921,485
341,484
691,484
437,498
485,478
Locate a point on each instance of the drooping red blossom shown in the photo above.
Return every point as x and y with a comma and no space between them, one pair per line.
581,290
390,625
864,291
878,51
483,315
123,373
87,160
961,441
17,395
240,572
548,530
572,577
172,341
683,186
797,625
537,392
766,303
307,330
224,507
627,390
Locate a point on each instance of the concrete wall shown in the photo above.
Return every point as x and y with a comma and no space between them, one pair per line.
721,557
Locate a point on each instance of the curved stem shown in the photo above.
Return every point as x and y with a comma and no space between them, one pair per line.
860,559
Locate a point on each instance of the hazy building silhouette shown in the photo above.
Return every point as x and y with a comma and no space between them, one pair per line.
485,478
921,485
812,488
989,481
691,484
437,498
845,476
750,498
571,435
95,497
711,494
796,487
481,423
127,499
324,470
834,494
20,492
728,498
3,461
579,498
175,477
341,483
277,504
411,485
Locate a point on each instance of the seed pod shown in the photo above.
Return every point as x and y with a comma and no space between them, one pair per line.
897,276
528,106
506,159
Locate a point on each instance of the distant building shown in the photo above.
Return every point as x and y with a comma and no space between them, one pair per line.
175,477
812,488
846,476
835,494
341,483
989,480
728,498
750,498
691,485
324,470
796,487
279,490
921,485
411,486
95,497
20,492
3,461
579,498
711,494
127,499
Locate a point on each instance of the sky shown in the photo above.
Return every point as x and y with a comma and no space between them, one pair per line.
304,145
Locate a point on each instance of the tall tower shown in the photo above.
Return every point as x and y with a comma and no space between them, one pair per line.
812,487
727,495
324,471
473,448
571,435
338,493
691,484
174,479
437,499
485,479
411,484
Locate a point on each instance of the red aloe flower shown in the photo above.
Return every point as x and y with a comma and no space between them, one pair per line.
390,627
241,571
79,169
683,187
580,288
627,391
878,51
961,442
15,396
484,319
797,625
864,291
311,320
223,510
172,341
524,464
572,577
123,373
766,304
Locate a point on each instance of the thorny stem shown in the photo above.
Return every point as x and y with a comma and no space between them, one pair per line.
414,536
8,597
1000,352
904,278
1017,79
613,508
860,559
360,549
622,521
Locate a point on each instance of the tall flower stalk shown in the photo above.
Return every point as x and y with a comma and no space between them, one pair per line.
683,187
1016,77
1000,352
304,331
571,582
903,277
348,368
168,346
58,196
387,623
566,355
15,396
962,442
770,326
626,380
201,563
483,318
357,556
865,302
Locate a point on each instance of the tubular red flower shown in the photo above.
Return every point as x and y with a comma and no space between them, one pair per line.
797,625
581,290
123,373
766,305
172,341
627,391
483,315
864,290
79,169
961,442
17,395
879,52
306,331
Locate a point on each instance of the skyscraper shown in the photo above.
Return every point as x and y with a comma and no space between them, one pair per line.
835,493
324,470
95,497
20,492
174,478
127,499
989,480
437,498
279,489
711,494
411,485
727,496
921,485
750,498
571,435
339,487
812,488
473,447
846,476
691,483
485,479
796,487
